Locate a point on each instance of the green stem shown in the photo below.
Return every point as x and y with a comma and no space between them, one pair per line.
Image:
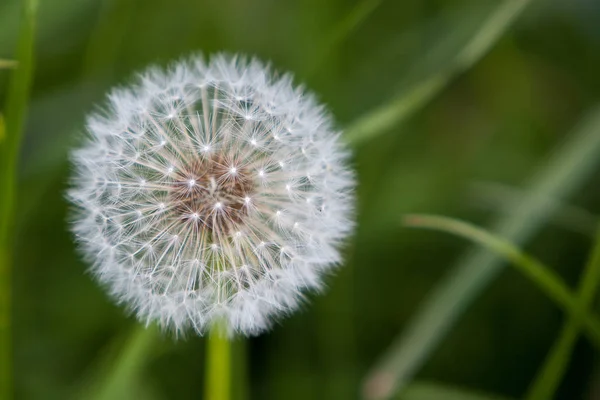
218,365
551,374
10,144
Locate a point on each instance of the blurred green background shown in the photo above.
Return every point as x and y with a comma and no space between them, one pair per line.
468,153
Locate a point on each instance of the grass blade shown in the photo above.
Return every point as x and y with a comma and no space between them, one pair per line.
429,391
546,280
562,175
387,116
549,377
16,105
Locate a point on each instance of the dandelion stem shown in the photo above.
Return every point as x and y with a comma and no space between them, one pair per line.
10,143
218,365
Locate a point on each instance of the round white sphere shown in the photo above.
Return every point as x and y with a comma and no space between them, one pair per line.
213,192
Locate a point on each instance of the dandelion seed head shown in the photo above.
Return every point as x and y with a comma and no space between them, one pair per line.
200,194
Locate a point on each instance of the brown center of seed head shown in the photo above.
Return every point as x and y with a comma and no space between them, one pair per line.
212,193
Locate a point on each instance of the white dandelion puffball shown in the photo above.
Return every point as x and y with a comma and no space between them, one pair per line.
213,191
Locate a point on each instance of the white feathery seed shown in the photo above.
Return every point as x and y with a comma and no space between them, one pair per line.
213,191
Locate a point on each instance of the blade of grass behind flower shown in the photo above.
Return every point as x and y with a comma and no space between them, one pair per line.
561,175
546,280
399,109
16,106
549,377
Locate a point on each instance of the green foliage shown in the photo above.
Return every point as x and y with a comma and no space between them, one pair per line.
557,361
11,133
480,91
573,162
421,92
546,280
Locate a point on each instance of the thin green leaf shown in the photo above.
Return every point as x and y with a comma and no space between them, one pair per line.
396,111
16,106
549,377
546,280
435,391
562,175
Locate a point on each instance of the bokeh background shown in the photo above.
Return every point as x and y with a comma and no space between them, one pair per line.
472,151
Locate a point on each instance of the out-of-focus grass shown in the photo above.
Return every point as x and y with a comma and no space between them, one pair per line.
494,122
10,147
130,357
546,280
549,377
573,163
390,114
